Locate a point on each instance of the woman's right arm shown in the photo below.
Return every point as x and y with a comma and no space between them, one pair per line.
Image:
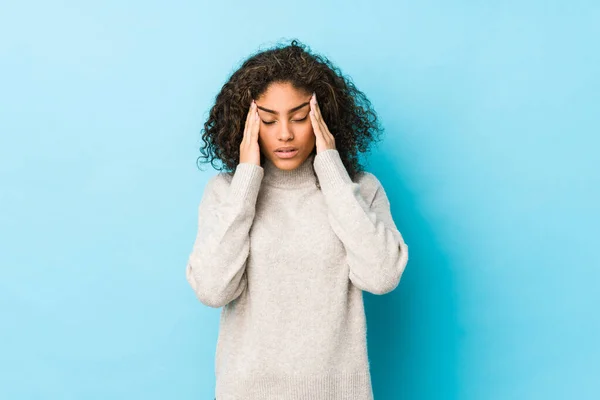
216,267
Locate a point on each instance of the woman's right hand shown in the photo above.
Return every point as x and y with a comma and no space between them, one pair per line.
249,148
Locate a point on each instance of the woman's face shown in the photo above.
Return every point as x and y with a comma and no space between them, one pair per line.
285,122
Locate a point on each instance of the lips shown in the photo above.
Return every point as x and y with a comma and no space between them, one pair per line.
286,152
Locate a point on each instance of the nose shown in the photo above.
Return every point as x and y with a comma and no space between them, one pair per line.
285,133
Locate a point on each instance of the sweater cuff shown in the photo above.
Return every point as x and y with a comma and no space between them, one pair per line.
246,181
330,169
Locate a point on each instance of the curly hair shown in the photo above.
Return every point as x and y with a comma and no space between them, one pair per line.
345,109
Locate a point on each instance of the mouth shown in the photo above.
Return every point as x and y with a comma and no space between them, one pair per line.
286,152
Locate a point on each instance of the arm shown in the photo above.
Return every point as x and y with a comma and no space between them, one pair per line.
376,252
216,267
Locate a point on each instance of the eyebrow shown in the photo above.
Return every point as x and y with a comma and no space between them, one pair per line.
277,113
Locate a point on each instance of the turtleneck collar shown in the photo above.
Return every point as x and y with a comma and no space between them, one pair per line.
301,176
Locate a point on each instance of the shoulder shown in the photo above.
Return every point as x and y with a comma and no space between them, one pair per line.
222,178
366,178
369,185
218,184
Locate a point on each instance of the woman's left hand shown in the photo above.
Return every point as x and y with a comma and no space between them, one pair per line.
324,138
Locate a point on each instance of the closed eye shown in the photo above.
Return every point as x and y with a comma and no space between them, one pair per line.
296,120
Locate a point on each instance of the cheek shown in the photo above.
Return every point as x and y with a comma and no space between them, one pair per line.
306,126
260,139
307,134
309,129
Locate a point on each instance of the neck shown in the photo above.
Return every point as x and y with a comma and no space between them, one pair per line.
301,176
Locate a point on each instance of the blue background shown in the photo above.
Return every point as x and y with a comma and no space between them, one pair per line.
490,161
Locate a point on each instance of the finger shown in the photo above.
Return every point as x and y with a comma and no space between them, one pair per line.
255,127
316,107
249,118
246,122
313,114
315,124
319,121
325,129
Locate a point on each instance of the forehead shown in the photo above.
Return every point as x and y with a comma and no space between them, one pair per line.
282,97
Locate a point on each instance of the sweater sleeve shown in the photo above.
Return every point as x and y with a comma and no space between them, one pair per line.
216,267
376,252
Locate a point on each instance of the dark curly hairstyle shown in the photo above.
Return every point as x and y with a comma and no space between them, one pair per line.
346,110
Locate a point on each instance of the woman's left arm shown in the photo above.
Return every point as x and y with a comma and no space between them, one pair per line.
376,252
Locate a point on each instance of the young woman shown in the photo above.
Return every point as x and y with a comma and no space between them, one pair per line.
293,231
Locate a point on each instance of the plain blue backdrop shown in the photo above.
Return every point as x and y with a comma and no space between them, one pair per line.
490,161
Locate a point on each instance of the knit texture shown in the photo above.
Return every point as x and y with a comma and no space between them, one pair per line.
288,262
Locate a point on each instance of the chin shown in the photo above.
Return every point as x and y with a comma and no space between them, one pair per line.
288,164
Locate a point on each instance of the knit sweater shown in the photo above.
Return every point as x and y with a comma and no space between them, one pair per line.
288,262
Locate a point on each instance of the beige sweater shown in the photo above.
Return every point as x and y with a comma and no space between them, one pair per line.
288,262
